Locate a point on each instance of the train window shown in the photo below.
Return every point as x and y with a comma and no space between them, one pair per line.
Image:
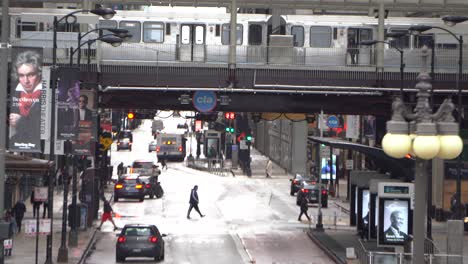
168,28
217,30
255,34
298,35
422,40
320,37
153,32
134,29
401,42
199,34
24,26
107,24
226,36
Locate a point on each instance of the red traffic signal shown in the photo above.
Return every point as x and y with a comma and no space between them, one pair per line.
230,115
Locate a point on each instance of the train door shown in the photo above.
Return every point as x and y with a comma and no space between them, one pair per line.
192,42
256,49
359,54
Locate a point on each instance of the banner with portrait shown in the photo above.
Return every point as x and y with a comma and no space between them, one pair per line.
84,143
26,100
67,103
394,221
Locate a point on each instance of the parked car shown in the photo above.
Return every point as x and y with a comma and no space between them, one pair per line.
137,240
152,146
129,187
297,182
312,191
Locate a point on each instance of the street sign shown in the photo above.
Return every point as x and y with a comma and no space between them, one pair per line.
204,101
40,194
349,164
30,227
333,122
185,99
224,100
106,142
243,144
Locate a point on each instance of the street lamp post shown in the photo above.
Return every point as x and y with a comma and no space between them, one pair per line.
451,21
427,135
106,13
402,64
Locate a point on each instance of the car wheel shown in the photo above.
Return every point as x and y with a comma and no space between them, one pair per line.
151,196
116,199
161,257
142,199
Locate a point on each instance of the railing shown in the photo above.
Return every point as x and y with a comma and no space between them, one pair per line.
214,166
330,220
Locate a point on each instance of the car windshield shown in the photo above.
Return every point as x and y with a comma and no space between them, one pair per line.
125,134
138,231
144,165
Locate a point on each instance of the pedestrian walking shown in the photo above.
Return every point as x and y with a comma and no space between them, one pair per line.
120,169
194,202
46,208
18,211
36,205
304,203
163,164
155,172
268,168
107,215
59,176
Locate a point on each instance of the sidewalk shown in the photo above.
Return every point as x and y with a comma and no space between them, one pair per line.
258,165
24,247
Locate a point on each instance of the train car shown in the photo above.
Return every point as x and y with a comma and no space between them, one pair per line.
201,35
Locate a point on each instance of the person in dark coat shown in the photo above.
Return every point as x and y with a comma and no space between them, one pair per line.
194,202
36,205
304,203
18,210
120,169
163,164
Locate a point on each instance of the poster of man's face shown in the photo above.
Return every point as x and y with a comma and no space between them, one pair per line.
365,202
25,107
87,126
395,221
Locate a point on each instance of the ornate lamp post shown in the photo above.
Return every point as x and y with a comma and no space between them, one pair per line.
70,18
426,135
451,21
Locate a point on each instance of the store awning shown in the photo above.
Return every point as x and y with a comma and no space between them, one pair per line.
398,168
24,163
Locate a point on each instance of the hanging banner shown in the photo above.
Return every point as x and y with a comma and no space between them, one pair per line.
84,144
67,104
46,104
352,123
25,104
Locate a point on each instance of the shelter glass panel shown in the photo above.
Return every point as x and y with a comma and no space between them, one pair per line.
153,32
226,36
255,34
320,37
134,28
298,35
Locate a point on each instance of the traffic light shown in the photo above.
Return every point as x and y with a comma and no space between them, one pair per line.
230,129
130,115
248,137
135,115
230,115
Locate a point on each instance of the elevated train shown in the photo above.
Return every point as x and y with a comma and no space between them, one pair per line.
201,35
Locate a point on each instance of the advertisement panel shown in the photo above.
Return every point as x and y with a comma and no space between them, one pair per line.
25,104
84,144
67,103
394,223
325,168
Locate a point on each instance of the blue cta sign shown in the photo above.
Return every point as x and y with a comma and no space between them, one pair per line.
332,122
204,101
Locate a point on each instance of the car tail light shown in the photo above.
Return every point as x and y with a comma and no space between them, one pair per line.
121,239
148,186
158,149
180,149
304,190
119,186
153,239
139,186
324,192
131,170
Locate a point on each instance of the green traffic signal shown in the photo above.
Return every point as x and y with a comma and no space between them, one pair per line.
228,129
249,137
231,130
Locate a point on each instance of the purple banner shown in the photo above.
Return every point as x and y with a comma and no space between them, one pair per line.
67,103
25,103
84,145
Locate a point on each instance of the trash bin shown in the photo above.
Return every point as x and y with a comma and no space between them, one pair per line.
73,220
83,216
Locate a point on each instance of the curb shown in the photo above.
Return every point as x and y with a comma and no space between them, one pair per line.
325,249
91,245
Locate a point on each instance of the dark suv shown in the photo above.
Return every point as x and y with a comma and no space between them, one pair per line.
128,187
312,191
139,241
297,183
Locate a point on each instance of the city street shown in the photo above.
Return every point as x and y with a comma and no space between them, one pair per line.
248,220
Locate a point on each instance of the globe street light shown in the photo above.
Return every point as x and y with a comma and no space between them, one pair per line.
70,18
451,21
427,135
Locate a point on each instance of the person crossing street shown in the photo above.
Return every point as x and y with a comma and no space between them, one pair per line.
194,202
304,207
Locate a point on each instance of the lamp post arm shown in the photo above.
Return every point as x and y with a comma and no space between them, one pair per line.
91,31
73,51
450,32
444,113
69,15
